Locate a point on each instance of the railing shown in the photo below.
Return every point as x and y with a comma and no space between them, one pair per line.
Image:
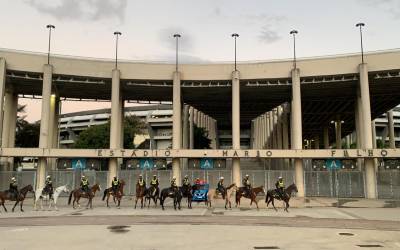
340,184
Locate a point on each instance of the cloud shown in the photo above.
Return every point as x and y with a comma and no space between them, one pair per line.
81,9
268,35
390,6
186,43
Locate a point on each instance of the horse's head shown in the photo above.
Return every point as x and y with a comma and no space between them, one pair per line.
29,188
63,189
292,188
122,182
96,187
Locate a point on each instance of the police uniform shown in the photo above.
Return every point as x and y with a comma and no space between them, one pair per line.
154,183
280,187
14,188
141,182
115,185
221,188
247,185
85,185
48,187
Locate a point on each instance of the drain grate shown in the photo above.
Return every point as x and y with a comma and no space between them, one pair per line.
267,247
370,245
346,234
118,229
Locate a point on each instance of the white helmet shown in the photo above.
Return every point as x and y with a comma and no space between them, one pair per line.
140,175
186,176
221,178
48,177
174,178
83,177
280,177
13,179
247,175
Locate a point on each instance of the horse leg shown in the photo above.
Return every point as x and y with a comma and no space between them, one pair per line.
5,209
141,202
20,204
287,205
17,201
136,200
273,204
108,197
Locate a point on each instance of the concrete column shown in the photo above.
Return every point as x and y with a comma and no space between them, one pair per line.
275,127
3,77
271,129
338,127
285,129
359,121
267,131
236,125
392,143
316,142
44,123
121,122
191,128
297,130
9,126
52,116
185,130
176,125
115,126
279,127
370,176
373,134
252,134
326,138
216,134
257,132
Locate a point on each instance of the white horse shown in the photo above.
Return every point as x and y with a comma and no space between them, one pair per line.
46,198
230,191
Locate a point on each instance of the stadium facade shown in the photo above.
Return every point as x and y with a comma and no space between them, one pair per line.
291,111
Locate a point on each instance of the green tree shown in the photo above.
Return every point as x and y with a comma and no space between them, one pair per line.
201,140
27,134
98,136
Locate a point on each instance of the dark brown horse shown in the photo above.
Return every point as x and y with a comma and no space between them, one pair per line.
6,195
252,196
140,193
272,194
78,194
152,193
117,196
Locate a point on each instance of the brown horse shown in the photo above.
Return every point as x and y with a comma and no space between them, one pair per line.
117,196
253,195
140,193
272,194
20,199
212,194
78,194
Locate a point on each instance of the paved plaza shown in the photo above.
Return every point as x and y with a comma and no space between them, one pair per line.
316,223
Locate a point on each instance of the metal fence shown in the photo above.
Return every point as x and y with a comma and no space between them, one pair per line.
388,184
341,184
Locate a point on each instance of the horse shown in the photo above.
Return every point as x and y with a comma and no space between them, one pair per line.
20,199
46,197
272,194
77,193
176,195
116,196
186,192
152,193
253,194
140,193
229,191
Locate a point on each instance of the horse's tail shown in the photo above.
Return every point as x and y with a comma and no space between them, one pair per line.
105,193
70,197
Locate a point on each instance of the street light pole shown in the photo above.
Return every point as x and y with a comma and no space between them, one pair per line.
294,32
116,33
361,25
49,26
235,35
177,36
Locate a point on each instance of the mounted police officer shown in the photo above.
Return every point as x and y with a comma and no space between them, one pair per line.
115,184
48,188
141,182
174,187
14,188
220,187
186,182
280,187
246,185
85,184
154,183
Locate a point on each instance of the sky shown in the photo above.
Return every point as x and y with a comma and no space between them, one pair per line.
85,28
